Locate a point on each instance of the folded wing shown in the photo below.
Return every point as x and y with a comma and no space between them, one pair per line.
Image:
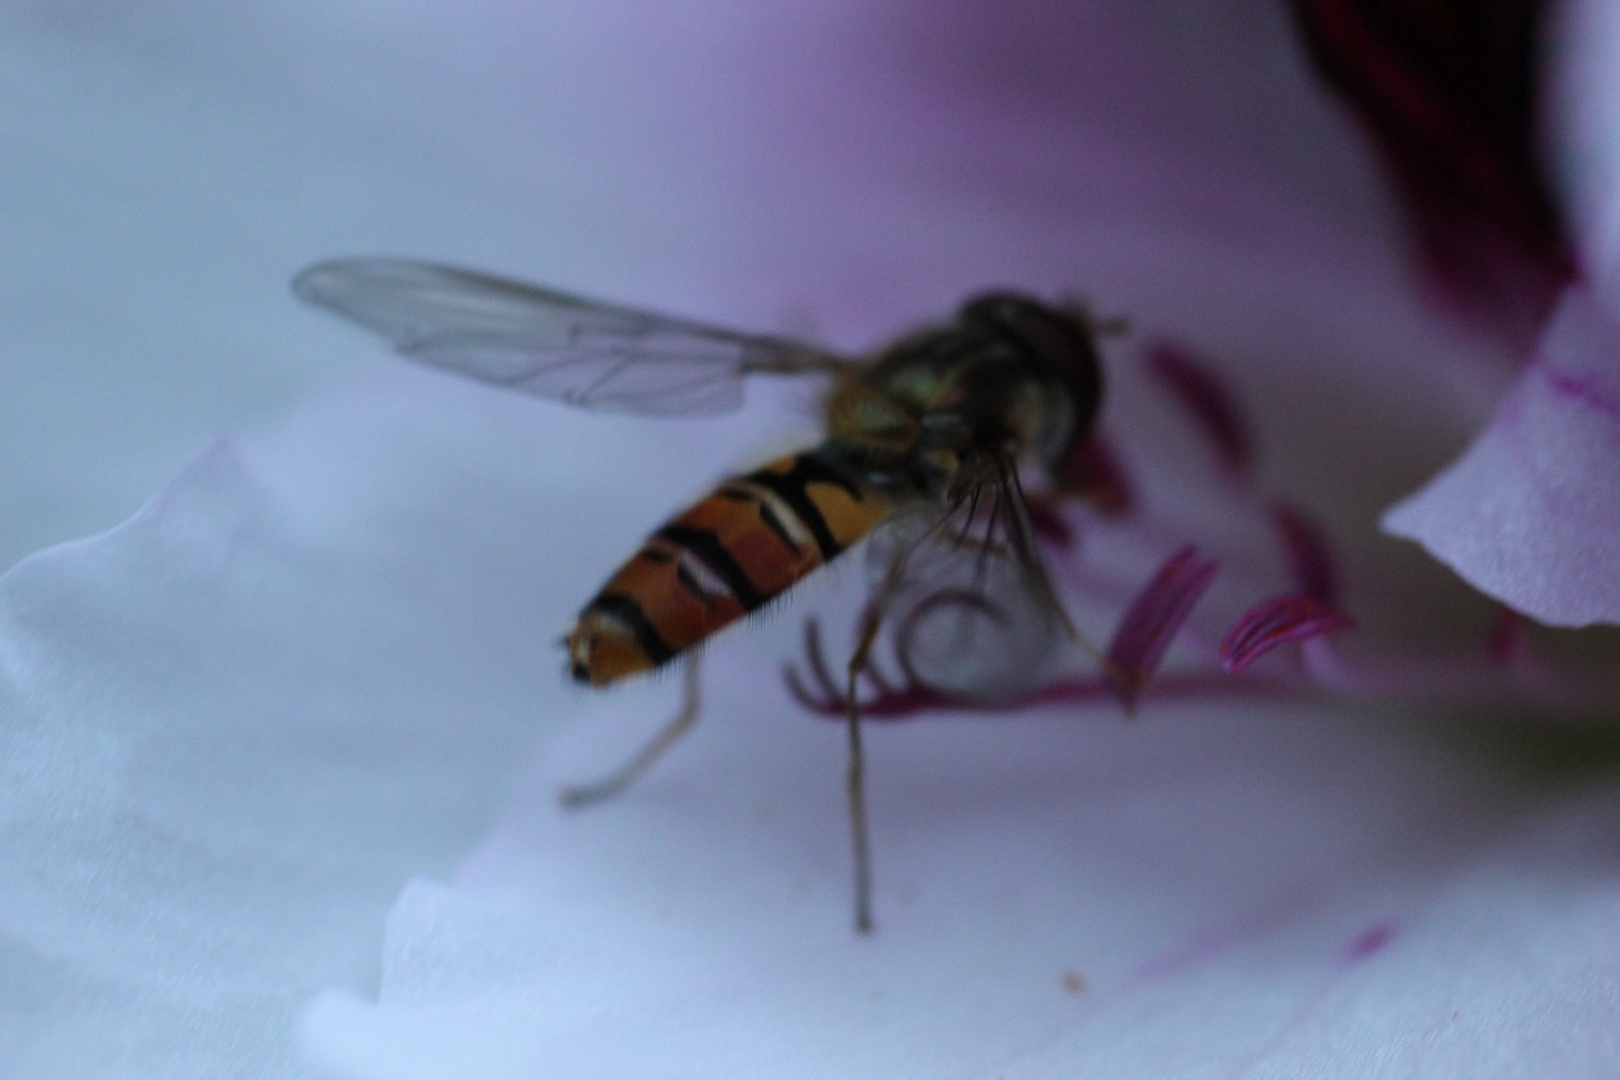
538,341
973,611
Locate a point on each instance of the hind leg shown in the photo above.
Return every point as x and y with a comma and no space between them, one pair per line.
857,794
643,759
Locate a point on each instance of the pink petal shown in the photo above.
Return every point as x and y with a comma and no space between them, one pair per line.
1530,514
1447,90
1153,619
1274,622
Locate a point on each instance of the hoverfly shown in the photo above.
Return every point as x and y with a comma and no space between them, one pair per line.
924,441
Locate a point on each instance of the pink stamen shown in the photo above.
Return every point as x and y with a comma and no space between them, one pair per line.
1369,943
1206,397
1153,619
815,687
1092,472
826,697
1507,645
1316,571
1049,524
1278,621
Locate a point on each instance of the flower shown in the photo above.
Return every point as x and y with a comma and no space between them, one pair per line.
280,753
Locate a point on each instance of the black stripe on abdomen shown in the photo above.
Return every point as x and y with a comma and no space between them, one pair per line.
706,547
627,610
790,488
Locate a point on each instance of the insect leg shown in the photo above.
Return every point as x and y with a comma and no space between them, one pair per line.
859,661
1022,536
870,621
643,759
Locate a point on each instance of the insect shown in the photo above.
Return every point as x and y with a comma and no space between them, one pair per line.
924,442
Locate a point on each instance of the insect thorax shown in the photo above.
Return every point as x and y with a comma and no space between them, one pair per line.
992,379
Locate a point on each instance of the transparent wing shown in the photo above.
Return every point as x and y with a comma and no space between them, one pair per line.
596,356
971,608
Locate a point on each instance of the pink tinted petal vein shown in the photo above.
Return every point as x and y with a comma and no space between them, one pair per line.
1530,513
1582,389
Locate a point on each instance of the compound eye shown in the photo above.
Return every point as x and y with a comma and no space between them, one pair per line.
1059,345
872,420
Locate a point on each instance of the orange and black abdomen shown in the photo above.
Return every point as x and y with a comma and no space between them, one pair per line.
733,551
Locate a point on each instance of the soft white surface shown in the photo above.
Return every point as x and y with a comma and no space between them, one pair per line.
1206,873
228,737
320,662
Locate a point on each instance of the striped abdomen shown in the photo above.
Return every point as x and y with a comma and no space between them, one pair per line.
733,551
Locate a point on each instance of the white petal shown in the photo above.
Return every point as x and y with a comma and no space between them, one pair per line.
1274,892
1531,513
